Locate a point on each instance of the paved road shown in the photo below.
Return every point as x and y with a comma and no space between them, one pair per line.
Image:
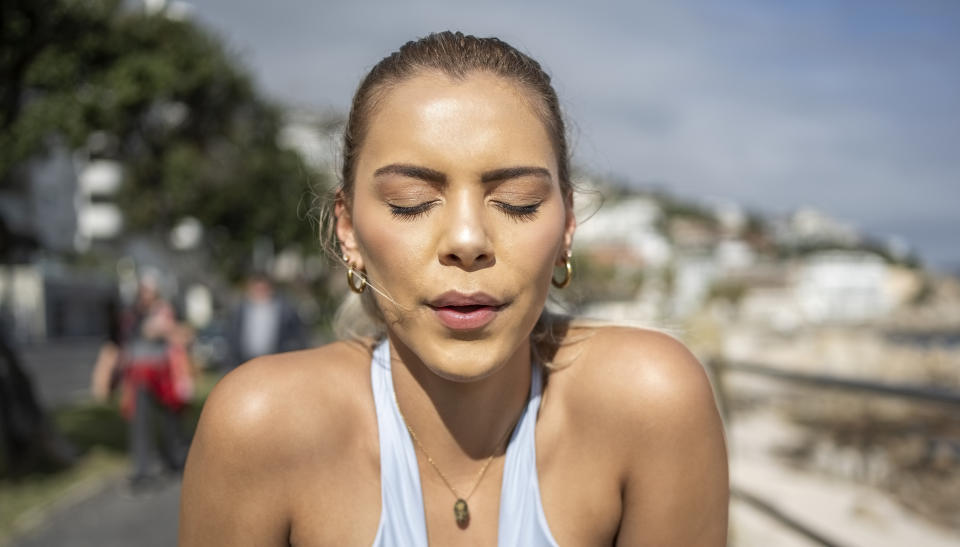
112,518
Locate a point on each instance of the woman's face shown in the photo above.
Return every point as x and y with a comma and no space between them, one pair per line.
458,217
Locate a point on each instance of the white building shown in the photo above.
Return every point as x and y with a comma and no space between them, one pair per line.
733,255
631,224
98,218
694,275
843,286
730,216
809,226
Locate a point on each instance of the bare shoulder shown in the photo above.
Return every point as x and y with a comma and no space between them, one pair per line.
649,402
270,401
266,427
635,370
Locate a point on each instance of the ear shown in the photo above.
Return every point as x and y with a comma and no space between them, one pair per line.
570,226
345,232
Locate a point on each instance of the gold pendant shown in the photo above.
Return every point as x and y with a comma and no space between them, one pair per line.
461,512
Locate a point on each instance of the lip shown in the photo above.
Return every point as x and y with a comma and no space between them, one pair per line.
462,311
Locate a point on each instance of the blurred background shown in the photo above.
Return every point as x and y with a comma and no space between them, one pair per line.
775,183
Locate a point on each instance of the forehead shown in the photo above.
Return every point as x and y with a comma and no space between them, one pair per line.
480,119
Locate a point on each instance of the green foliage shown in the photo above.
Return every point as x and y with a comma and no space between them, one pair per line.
868,246
598,281
729,290
926,294
676,208
181,116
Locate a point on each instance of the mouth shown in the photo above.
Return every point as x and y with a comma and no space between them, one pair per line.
460,311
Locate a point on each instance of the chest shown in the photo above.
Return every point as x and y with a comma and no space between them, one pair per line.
339,503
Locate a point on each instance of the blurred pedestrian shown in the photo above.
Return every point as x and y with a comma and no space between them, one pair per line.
264,323
155,377
106,373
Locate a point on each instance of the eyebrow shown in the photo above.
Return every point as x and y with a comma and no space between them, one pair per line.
437,177
513,173
412,171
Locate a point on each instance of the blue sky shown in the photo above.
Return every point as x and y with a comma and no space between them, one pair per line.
849,107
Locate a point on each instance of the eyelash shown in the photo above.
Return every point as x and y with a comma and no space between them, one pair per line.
517,212
412,213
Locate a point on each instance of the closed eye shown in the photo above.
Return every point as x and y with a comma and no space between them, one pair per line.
519,212
414,212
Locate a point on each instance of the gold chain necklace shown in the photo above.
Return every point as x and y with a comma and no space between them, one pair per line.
461,512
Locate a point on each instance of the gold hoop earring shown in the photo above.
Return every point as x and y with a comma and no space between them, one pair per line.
355,288
569,273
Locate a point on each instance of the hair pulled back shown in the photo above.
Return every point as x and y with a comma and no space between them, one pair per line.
455,55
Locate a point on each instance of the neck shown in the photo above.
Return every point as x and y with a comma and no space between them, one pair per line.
453,419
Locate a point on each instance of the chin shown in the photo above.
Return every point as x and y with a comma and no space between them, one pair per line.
465,355
469,360
462,359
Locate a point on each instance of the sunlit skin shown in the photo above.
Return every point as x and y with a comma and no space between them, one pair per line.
456,190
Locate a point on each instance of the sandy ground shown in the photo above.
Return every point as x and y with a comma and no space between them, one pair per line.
843,512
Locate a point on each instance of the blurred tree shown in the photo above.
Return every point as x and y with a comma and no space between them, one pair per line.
162,96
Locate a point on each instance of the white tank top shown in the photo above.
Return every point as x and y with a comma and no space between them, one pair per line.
402,520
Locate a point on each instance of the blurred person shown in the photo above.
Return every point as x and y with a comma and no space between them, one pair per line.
106,374
458,409
263,323
150,363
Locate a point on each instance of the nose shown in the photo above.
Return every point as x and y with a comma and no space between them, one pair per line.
466,242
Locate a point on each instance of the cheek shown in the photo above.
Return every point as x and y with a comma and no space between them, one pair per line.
527,251
393,251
